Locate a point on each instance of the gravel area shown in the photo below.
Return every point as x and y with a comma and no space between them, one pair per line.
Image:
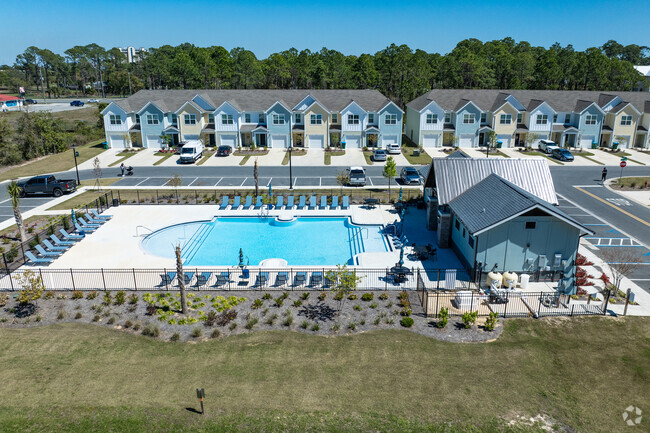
309,315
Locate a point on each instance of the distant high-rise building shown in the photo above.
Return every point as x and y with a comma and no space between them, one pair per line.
132,54
643,85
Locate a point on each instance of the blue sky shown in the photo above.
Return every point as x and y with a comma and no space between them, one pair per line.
352,27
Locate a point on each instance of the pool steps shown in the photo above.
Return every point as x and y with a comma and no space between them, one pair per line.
193,245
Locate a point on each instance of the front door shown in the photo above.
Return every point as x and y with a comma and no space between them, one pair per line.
481,138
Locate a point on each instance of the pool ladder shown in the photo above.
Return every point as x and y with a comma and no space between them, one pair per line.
137,234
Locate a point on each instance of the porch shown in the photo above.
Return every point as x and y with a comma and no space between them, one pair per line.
565,135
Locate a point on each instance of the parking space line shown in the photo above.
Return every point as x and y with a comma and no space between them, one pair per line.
371,182
243,182
145,179
164,184
320,181
5,201
219,181
578,215
270,179
595,224
195,179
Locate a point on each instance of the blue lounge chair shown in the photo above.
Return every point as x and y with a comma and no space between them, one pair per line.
323,202
335,202
346,202
188,277
44,253
280,202
85,223
258,202
69,236
51,247
302,202
316,279
99,216
245,274
282,278
249,202
202,278
167,279
312,202
290,204
90,220
222,279
57,241
34,259
84,228
300,279
261,279
225,201
236,203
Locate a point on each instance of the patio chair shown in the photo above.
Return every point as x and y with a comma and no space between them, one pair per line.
166,279
261,279
280,202
312,202
225,201
93,221
290,204
223,278
433,252
316,279
300,279
84,228
188,277
245,274
35,259
249,202
346,202
281,279
51,247
302,202
69,236
335,202
323,202
85,223
44,253
258,202
236,203
57,241
99,216
202,279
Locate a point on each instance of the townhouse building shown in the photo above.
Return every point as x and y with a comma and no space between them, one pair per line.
273,118
464,117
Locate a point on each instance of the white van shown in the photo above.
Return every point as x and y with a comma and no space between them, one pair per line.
191,151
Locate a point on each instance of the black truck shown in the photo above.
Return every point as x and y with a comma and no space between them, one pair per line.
47,184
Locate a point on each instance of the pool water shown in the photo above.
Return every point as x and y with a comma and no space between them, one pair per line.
305,241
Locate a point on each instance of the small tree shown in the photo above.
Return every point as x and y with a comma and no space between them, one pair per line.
490,141
97,173
531,138
181,278
344,282
390,172
256,176
33,288
175,182
622,141
621,262
15,193
342,178
166,140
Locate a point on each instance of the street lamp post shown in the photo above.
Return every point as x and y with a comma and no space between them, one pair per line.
74,152
290,172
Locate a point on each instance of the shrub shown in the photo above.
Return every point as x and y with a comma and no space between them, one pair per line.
339,296
175,337
96,318
33,288
197,332
285,295
322,296
128,324
133,299
211,318
60,316
3,300
38,318
77,294
368,297
78,316
111,320
336,327
390,321
279,301
227,317
251,323
373,305
405,311
377,321
469,318
271,319
406,322
362,322
48,295
151,330
304,296
357,308
315,327
233,326
352,326
257,304
151,310
120,297
215,334
352,296
91,295
108,299
136,326
297,303
304,324
267,296
288,321
443,317
491,321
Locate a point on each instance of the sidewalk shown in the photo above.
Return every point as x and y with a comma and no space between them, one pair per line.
640,196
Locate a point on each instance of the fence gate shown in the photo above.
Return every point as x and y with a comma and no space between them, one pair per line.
422,293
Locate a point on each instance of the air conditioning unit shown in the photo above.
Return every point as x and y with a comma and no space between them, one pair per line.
557,260
541,261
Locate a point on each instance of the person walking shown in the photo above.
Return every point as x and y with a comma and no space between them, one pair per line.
603,177
122,168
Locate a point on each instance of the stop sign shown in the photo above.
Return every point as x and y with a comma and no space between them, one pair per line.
623,164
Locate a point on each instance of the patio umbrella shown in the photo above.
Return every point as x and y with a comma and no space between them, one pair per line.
401,256
241,259
270,190
74,217
400,193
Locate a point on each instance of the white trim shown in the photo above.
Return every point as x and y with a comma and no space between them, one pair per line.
278,103
148,104
389,103
193,104
593,103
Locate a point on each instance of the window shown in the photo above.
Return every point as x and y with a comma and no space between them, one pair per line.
391,119
520,117
483,117
137,119
542,119
505,119
567,118
457,225
189,119
463,232
371,117
316,119
590,119
626,120
470,241
174,120
298,118
468,118
353,119
226,119
247,118
432,118
261,118
115,119
152,119
555,118
447,117
335,118
530,225
210,118
278,119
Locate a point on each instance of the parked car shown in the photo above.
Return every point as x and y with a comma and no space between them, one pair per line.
30,101
379,155
410,175
224,150
547,146
191,151
356,176
47,184
77,103
562,154
394,149
93,101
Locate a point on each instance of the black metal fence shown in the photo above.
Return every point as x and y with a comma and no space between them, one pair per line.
13,253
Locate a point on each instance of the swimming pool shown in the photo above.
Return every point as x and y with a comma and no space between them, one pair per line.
303,241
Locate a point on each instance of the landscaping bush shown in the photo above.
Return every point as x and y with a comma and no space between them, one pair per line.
491,321
60,316
111,320
128,324
469,318
405,311
267,296
227,317
3,300
215,334
108,299
339,296
285,295
304,324
251,323
96,318
150,330
257,304
357,308
297,303
368,297
48,295
315,327
175,337
443,317
304,296
120,297
151,310
133,299
352,296
78,316
406,322
91,295
279,301
197,332
322,296
352,326
288,321
77,294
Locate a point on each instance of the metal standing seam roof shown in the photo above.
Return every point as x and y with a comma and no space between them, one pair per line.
453,176
494,200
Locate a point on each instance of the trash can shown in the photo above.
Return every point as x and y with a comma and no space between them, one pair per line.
615,145
343,145
523,281
105,145
416,152
499,144
116,202
594,145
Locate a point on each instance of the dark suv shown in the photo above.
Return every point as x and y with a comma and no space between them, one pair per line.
224,150
410,175
77,103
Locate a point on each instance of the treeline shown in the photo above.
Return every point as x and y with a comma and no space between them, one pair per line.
399,72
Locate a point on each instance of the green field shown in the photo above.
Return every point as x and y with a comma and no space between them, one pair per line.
580,372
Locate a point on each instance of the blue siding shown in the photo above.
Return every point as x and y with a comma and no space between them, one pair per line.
468,128
591,129
278,129
391,129
151,129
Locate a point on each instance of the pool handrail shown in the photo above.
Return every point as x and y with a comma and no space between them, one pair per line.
335,202
346,202
249,202
302,202
225,201
290,204
323,202
236,203
312,202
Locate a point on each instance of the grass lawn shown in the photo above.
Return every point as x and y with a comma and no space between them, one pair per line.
631,182
368,155
206,155
80,200
104,181
536,153
582,372
53,163
628,157
164,156
294,153
328,156
422,159
588,155
125,155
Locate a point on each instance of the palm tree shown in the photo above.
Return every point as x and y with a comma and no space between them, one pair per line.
15,193
181,278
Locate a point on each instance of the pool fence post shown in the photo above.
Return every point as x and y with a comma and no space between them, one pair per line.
539,306
119,196
71,277
386,280
137,192
135,281
103,279
157,202
505,306
215,196
437,300
176,195
40,274
438,281
166,279
4,259
627,301
196,198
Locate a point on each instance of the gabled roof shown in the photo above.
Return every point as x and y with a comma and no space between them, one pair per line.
458,154
160,105
494,201
582,105
621,106
390,103
453,176
192,104
110,106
